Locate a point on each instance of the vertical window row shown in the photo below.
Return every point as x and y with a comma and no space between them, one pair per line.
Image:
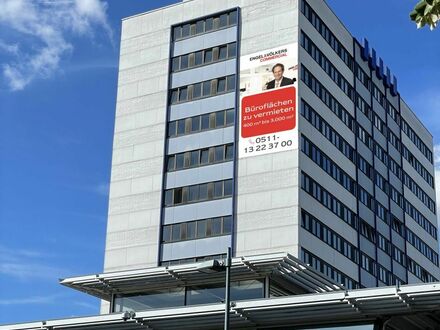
200,157
406,128
202,89
204,228
205,25
203,57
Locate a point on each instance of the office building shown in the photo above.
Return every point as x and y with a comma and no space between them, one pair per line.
327,166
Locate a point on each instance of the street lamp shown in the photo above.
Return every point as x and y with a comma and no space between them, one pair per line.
215,266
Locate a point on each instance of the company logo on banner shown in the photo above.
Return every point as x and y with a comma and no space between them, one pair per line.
268,107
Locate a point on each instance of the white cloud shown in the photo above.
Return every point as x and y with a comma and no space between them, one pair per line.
44,29
50,299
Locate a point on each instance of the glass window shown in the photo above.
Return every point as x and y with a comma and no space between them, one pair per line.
174,96
233,17
219,119
209,24
185,194
197,90
231,82
207,88
154,299
230,117
171,162
177,195
219,154
183,94
184,61
193,29
208,56
186,159
211,155
198,58
194,158
223,20
205,121
193,193
228,188
169,197
200,26
210,190
229,152
227,225
232,50
176,232
177,32
166,234
205,294
221,85
218,189
192,60
179,161
172,129
204,156
188,125
212,120
191,230
201,229
222,53
216,23
195,124
203,191
185,30
175,64
181,127
216,226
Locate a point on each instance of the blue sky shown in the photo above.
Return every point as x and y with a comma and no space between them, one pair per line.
58,78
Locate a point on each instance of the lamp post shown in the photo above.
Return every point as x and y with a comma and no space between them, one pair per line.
213,266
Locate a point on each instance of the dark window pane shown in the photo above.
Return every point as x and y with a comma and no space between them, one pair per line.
184,62
216,23
183,94
169,197
200,27
193,29
210,190
205,121
183,231
232,50
186,159
207,88
230,117
233,17
191,60
209,24
223,20
191,230
179,161
197,90
188,125
208,56
185,194
201,229
222,53
177,32
220,119
211,155
185,30
194,158
171,162
176,232
203,191
204,156
181,127
166,234
175,64
174,96
172,129
198,58
219,154
218,189
227,225
195,124
228,188
193,193
229,152
216,226
221,85
177,196
231,82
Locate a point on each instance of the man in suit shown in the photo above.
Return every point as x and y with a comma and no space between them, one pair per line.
279,81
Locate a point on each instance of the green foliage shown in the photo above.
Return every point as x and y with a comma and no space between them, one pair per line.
426,12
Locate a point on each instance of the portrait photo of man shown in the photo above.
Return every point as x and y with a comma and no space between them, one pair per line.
279,79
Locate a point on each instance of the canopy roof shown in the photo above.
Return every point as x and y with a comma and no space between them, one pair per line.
282,267
407,307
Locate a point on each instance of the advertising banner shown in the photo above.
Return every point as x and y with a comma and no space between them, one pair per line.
268,101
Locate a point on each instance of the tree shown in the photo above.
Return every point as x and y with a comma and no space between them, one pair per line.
426,12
